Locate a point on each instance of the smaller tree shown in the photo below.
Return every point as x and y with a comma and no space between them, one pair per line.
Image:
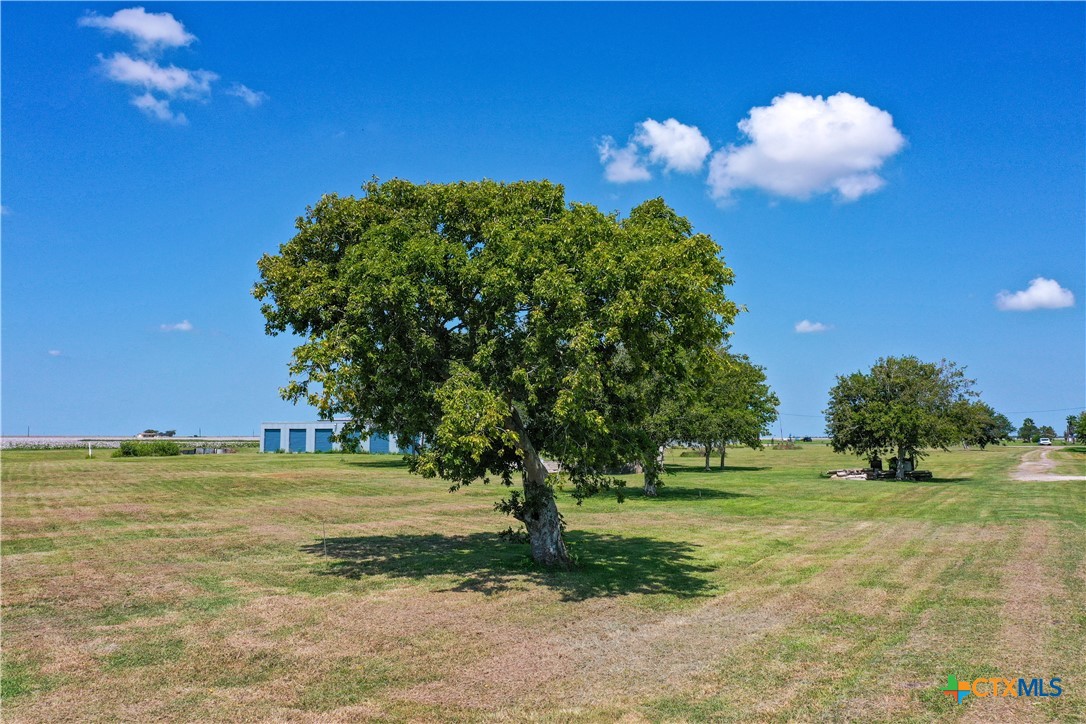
1080,428
981,425
1029,431
1069,434
732,404
902,404
657,431
1046,431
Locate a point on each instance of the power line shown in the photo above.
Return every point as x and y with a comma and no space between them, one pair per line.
1011,412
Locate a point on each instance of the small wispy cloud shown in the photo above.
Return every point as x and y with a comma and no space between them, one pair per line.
4,210
54,353
157,86
1041,294
159,108
182,326
149,75
151,32
809,327
251,97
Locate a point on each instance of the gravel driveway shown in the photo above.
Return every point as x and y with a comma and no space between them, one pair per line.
1035,466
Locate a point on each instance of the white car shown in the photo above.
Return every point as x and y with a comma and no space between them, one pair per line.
1044,441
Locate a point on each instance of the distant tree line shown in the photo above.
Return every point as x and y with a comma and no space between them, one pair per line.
1074,430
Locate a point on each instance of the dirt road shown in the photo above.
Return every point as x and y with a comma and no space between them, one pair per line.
1035,466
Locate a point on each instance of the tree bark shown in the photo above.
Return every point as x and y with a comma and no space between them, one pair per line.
708,452
900,463
540,513
651,465
723,452
650,486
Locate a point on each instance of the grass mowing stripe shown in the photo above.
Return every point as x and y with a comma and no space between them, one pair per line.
201,588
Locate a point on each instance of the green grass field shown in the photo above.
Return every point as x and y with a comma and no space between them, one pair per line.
340,588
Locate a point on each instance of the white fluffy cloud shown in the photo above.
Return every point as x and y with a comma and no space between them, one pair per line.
150,31
621,165
183,326
1041,294
54,353
800,145
679,147
674,145
809,327
251,97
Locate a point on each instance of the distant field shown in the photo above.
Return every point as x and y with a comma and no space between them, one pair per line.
198,588
49,442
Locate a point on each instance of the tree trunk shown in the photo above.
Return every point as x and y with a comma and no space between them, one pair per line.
708,452
540,513
650,485
900,463
723,452
651,466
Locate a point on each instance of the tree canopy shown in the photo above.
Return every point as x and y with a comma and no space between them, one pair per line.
980,425
902,405
498,323
1029,430
730,404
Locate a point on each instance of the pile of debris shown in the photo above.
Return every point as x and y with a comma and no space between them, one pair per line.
208,451
853,474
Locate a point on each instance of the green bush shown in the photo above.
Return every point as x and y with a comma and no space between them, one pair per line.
157,448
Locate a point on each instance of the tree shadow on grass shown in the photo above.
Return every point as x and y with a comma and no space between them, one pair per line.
377,461
608,565
668,492
700,470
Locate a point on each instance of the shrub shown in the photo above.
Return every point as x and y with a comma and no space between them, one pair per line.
158,448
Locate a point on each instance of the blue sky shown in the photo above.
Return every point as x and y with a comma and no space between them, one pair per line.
930,157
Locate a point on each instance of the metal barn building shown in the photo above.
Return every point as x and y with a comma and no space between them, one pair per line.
300,437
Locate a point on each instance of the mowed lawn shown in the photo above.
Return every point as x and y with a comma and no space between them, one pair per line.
340,588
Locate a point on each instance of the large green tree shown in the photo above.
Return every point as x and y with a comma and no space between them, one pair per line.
499,323
902,405
730,404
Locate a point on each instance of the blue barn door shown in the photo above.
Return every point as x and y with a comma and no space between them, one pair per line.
322,440
297,440
272,440
378,443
